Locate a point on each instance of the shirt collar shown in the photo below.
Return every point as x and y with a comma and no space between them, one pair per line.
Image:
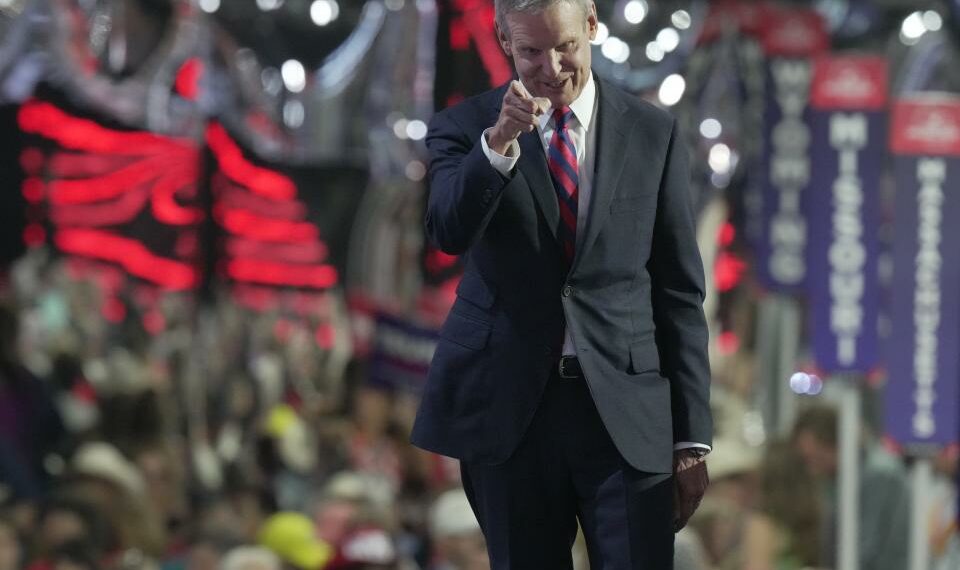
582,107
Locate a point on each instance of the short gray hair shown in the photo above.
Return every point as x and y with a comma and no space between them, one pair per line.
504,7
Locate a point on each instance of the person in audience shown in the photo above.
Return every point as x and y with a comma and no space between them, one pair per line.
783,531
458,542
884,492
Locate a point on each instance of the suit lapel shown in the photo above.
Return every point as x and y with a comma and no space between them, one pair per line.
609,155
533,166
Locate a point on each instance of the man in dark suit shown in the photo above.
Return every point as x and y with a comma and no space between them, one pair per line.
571,378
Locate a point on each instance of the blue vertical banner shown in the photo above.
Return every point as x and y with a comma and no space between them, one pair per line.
848,133
923,389
791,38
401,353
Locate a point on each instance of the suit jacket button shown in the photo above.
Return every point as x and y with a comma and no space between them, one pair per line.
567,291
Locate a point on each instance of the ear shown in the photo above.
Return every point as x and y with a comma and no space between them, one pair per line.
503,39
593,22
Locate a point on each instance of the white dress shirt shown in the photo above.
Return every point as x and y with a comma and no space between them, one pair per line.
583,135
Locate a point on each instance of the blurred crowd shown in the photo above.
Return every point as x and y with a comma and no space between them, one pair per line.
221,438
148,432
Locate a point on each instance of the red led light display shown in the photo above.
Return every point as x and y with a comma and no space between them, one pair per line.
98,186
95,180
269,240
259,180
129,254
74,133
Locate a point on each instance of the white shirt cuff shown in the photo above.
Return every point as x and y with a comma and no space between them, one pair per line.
502,164
689,444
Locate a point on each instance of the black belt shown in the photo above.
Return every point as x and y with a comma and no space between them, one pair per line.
569,367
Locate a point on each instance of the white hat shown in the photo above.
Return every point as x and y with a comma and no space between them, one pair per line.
368,488
731,457
102,460
250,557
451,515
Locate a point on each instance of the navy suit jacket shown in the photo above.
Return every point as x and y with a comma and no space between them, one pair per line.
632,297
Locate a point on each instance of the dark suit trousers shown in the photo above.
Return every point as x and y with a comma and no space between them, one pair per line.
567,468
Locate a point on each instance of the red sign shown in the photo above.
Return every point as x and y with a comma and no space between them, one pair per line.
927,125
849,82
735,17
794,33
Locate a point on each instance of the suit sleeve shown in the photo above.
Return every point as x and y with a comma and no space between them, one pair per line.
676,272
464,187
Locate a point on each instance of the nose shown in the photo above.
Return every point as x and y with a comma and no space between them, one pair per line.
552,63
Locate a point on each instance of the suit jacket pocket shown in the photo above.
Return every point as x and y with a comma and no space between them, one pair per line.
644,357
465,331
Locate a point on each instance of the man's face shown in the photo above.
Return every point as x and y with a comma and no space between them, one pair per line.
551,49
821,459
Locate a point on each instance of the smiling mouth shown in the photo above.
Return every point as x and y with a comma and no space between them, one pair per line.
555,84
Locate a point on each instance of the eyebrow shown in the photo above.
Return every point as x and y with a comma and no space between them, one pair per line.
524,45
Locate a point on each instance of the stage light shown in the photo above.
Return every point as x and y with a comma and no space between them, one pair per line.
294,75
654,51
635,11
416,130
615,49
603,32
720,158
800,383
669,39
710,128
913,26
268,5
209,6
681,19
400,128
932,21
816,385
322,12
671,89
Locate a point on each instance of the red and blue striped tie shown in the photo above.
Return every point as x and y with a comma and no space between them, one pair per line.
563,170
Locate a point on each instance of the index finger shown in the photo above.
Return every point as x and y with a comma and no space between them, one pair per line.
520,90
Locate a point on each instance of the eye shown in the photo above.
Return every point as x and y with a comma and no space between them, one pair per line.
529,51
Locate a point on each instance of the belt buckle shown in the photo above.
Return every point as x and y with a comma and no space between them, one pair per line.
562,369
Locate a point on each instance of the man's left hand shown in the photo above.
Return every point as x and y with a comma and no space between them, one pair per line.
690,480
